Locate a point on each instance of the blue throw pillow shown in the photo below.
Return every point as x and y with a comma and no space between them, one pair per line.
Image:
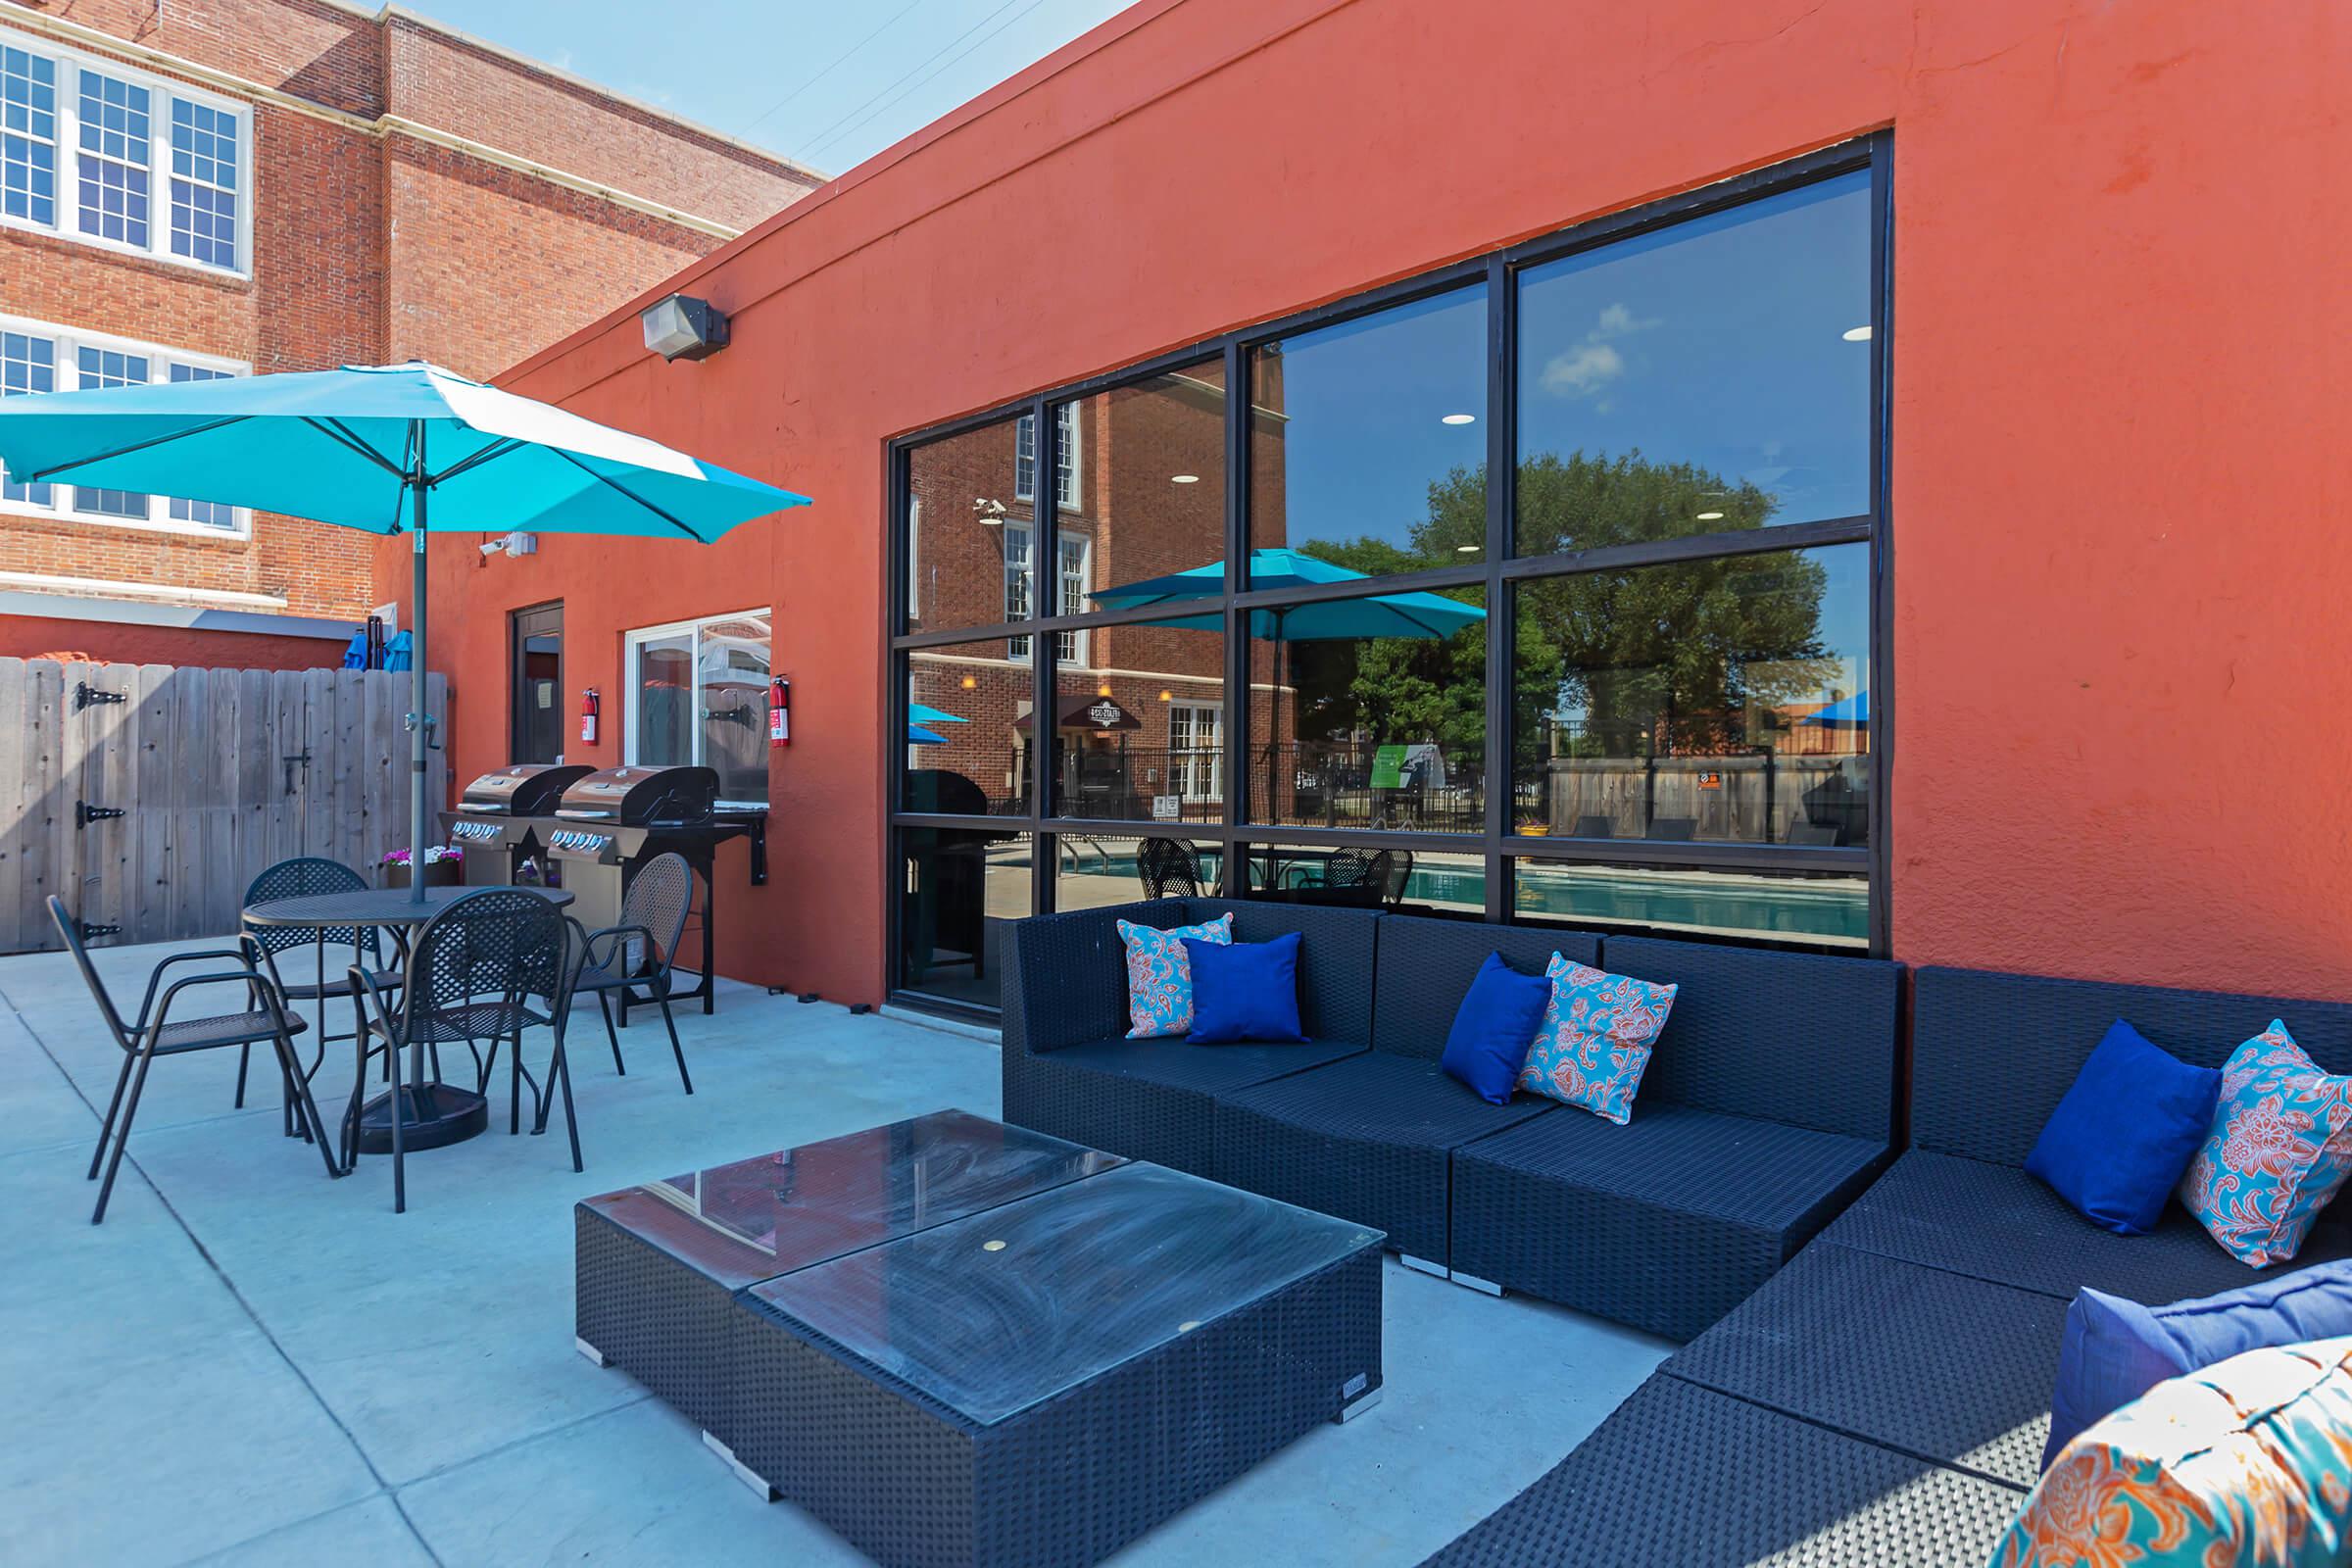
1248,990
2115,1350
2116,1146
1493,1028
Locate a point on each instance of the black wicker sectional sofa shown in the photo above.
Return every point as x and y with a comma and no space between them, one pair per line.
1768,1105
1885,1397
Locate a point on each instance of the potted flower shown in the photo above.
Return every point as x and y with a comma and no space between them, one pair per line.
444,867
1532,826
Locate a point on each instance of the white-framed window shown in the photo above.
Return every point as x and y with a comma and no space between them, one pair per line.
38,357
1073,559
121,159
697,697
1065,456
1197,750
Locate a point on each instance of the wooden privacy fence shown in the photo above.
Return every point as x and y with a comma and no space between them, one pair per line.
148,796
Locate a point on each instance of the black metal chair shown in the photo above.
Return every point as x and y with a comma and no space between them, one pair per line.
1168,869
488,967
640,950
1596,826
298,878
154,1033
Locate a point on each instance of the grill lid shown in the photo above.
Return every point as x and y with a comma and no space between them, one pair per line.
522,789
634,796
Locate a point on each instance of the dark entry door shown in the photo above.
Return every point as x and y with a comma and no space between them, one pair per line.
535,686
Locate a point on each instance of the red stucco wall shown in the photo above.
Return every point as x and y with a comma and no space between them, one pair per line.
2118,414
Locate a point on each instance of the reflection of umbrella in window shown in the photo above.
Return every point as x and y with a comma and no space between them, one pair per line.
917,735
1847,712
925,713
1372,615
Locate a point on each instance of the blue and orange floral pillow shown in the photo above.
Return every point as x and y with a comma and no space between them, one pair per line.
2279,1148
1159,977
1594,1042
2247,1461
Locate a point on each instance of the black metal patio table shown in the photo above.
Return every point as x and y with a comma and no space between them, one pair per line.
434,1114
957,1341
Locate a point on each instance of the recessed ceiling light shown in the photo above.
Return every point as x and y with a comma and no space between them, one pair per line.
1856,334
1459,419
1468,550
1710,516
1184,478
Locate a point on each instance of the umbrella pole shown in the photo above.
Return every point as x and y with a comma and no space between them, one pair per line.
417,717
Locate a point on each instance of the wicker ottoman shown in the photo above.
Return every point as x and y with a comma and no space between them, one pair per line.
1033,1379
657,1266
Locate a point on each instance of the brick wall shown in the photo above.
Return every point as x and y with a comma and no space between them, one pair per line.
370,243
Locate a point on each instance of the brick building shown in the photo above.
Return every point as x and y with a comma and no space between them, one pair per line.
214,187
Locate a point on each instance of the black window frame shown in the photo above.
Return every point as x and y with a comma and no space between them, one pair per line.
1499,571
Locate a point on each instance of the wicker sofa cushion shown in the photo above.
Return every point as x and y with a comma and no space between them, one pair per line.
2247,1461
1177,1065
2277,1153
1160,976
1682,1475
1593,1043
1998,1223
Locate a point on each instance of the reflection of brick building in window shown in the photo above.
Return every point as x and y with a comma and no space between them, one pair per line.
1139,728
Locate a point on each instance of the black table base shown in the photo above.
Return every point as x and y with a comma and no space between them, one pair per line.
433,1116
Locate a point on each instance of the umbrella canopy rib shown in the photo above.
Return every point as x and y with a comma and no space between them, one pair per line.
43,475
615,484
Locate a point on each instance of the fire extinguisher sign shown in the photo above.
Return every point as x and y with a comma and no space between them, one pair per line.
779,712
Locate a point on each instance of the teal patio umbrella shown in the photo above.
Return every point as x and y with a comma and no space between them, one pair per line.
1400,614
373,447
925,713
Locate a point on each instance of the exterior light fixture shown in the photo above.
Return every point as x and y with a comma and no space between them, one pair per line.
1710,516
1184,478
971,682
1459,419
1856,334
1103,690
683,327
1168,696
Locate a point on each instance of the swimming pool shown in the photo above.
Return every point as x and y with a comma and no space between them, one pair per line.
1829,909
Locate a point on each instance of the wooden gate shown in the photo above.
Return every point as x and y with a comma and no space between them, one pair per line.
149,795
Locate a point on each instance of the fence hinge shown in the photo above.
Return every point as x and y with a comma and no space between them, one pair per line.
90,932
87,695
84,813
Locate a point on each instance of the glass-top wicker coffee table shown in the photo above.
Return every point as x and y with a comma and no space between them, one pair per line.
957,1341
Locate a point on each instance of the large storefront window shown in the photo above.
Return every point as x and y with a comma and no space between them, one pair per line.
1255,620
697,696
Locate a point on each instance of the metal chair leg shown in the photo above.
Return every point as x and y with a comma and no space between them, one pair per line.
138,1084
106,1128
669,1023
562,1071
515,1086
244,1054
606,1007
313,1128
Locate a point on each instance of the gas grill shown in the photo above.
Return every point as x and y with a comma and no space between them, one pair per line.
502,819
609,825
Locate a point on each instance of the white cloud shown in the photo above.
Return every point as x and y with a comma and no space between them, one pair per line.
1582,371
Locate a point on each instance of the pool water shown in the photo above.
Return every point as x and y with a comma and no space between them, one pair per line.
1831,910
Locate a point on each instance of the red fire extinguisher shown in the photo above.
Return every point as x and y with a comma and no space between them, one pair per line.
779,712
588,716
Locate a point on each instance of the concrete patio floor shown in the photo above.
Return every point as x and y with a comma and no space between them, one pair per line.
248,1364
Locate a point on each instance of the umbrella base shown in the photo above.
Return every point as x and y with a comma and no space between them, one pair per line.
432,1117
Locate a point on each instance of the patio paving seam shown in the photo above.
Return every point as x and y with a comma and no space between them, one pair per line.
527,1438
230,1285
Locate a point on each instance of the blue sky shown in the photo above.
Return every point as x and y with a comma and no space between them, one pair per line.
830,82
